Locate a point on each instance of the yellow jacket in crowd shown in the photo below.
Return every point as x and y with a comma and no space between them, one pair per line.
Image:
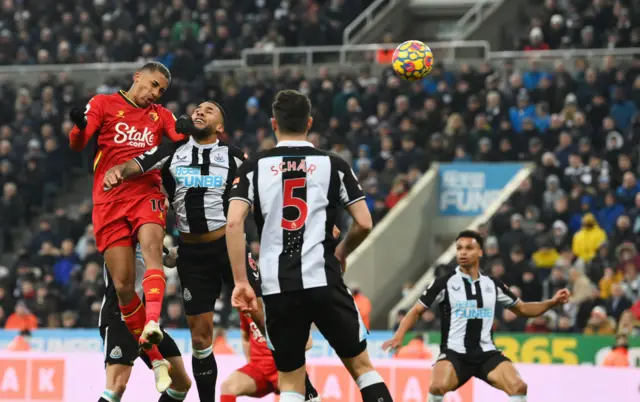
588,239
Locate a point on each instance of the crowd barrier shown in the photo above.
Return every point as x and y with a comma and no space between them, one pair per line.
75,377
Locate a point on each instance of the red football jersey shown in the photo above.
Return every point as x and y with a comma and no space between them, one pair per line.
259,353
125,130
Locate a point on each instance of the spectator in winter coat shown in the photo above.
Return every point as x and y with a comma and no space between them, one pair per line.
588,239
608,215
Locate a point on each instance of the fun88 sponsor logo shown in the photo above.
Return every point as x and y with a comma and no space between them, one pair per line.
469,310
133,137
189,176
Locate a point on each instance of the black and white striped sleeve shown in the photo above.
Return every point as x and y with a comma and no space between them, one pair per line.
242,187
503,295
435,293
350,189
156,157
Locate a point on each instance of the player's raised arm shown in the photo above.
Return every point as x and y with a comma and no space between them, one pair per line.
175,129
85,123
155,158
432,296
535,309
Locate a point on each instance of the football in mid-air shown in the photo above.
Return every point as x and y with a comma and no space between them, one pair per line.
412,60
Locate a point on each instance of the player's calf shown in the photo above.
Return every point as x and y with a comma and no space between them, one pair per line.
150,237
203,362
369,381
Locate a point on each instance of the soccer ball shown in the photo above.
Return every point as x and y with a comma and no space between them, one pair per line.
412,60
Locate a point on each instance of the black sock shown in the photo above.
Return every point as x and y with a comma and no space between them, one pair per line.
205,372
310,391
377,392
102,400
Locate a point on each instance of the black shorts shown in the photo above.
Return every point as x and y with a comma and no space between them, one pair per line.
121,348
331,308
477,365
203,269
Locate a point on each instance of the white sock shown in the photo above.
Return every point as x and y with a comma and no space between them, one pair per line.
201,354
177,395
288,396
111,396
368,379
435,398
518,398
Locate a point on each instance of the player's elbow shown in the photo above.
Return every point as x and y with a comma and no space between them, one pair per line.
234,224
364,224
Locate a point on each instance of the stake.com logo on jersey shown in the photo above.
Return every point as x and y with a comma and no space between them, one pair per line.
132,136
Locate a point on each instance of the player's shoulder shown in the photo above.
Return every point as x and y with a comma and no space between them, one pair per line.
337,161
234,151
101,99
163,111
442,280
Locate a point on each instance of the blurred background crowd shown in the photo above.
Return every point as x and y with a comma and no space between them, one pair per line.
575,222
582,24
174,31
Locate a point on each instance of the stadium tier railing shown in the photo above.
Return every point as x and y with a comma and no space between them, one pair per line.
371,16
409,300
472,18
343,54
443,51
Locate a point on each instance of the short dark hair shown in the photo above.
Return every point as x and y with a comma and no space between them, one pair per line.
222,112
471,234
156,66
291,109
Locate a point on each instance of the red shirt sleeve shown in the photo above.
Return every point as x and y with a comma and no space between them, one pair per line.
169,125
94,112
244,323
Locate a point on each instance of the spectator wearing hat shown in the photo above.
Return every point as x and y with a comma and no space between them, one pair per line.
599,323
588,239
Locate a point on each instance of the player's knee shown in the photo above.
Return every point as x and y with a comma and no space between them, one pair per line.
125,289
516,387
151,249
438,387
201,339
229,387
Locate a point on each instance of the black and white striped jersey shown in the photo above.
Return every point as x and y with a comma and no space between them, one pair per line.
197,179
467,309
296,191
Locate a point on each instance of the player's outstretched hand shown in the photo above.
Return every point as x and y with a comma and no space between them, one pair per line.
392,344
78,118
244,298
184,125
113,177
562,296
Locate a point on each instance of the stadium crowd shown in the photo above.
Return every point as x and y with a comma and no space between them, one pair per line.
582,24
575,221
174,31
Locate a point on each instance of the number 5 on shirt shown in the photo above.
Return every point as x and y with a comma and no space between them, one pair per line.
296,202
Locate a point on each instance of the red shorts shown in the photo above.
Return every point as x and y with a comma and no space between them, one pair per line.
117,223
266,378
